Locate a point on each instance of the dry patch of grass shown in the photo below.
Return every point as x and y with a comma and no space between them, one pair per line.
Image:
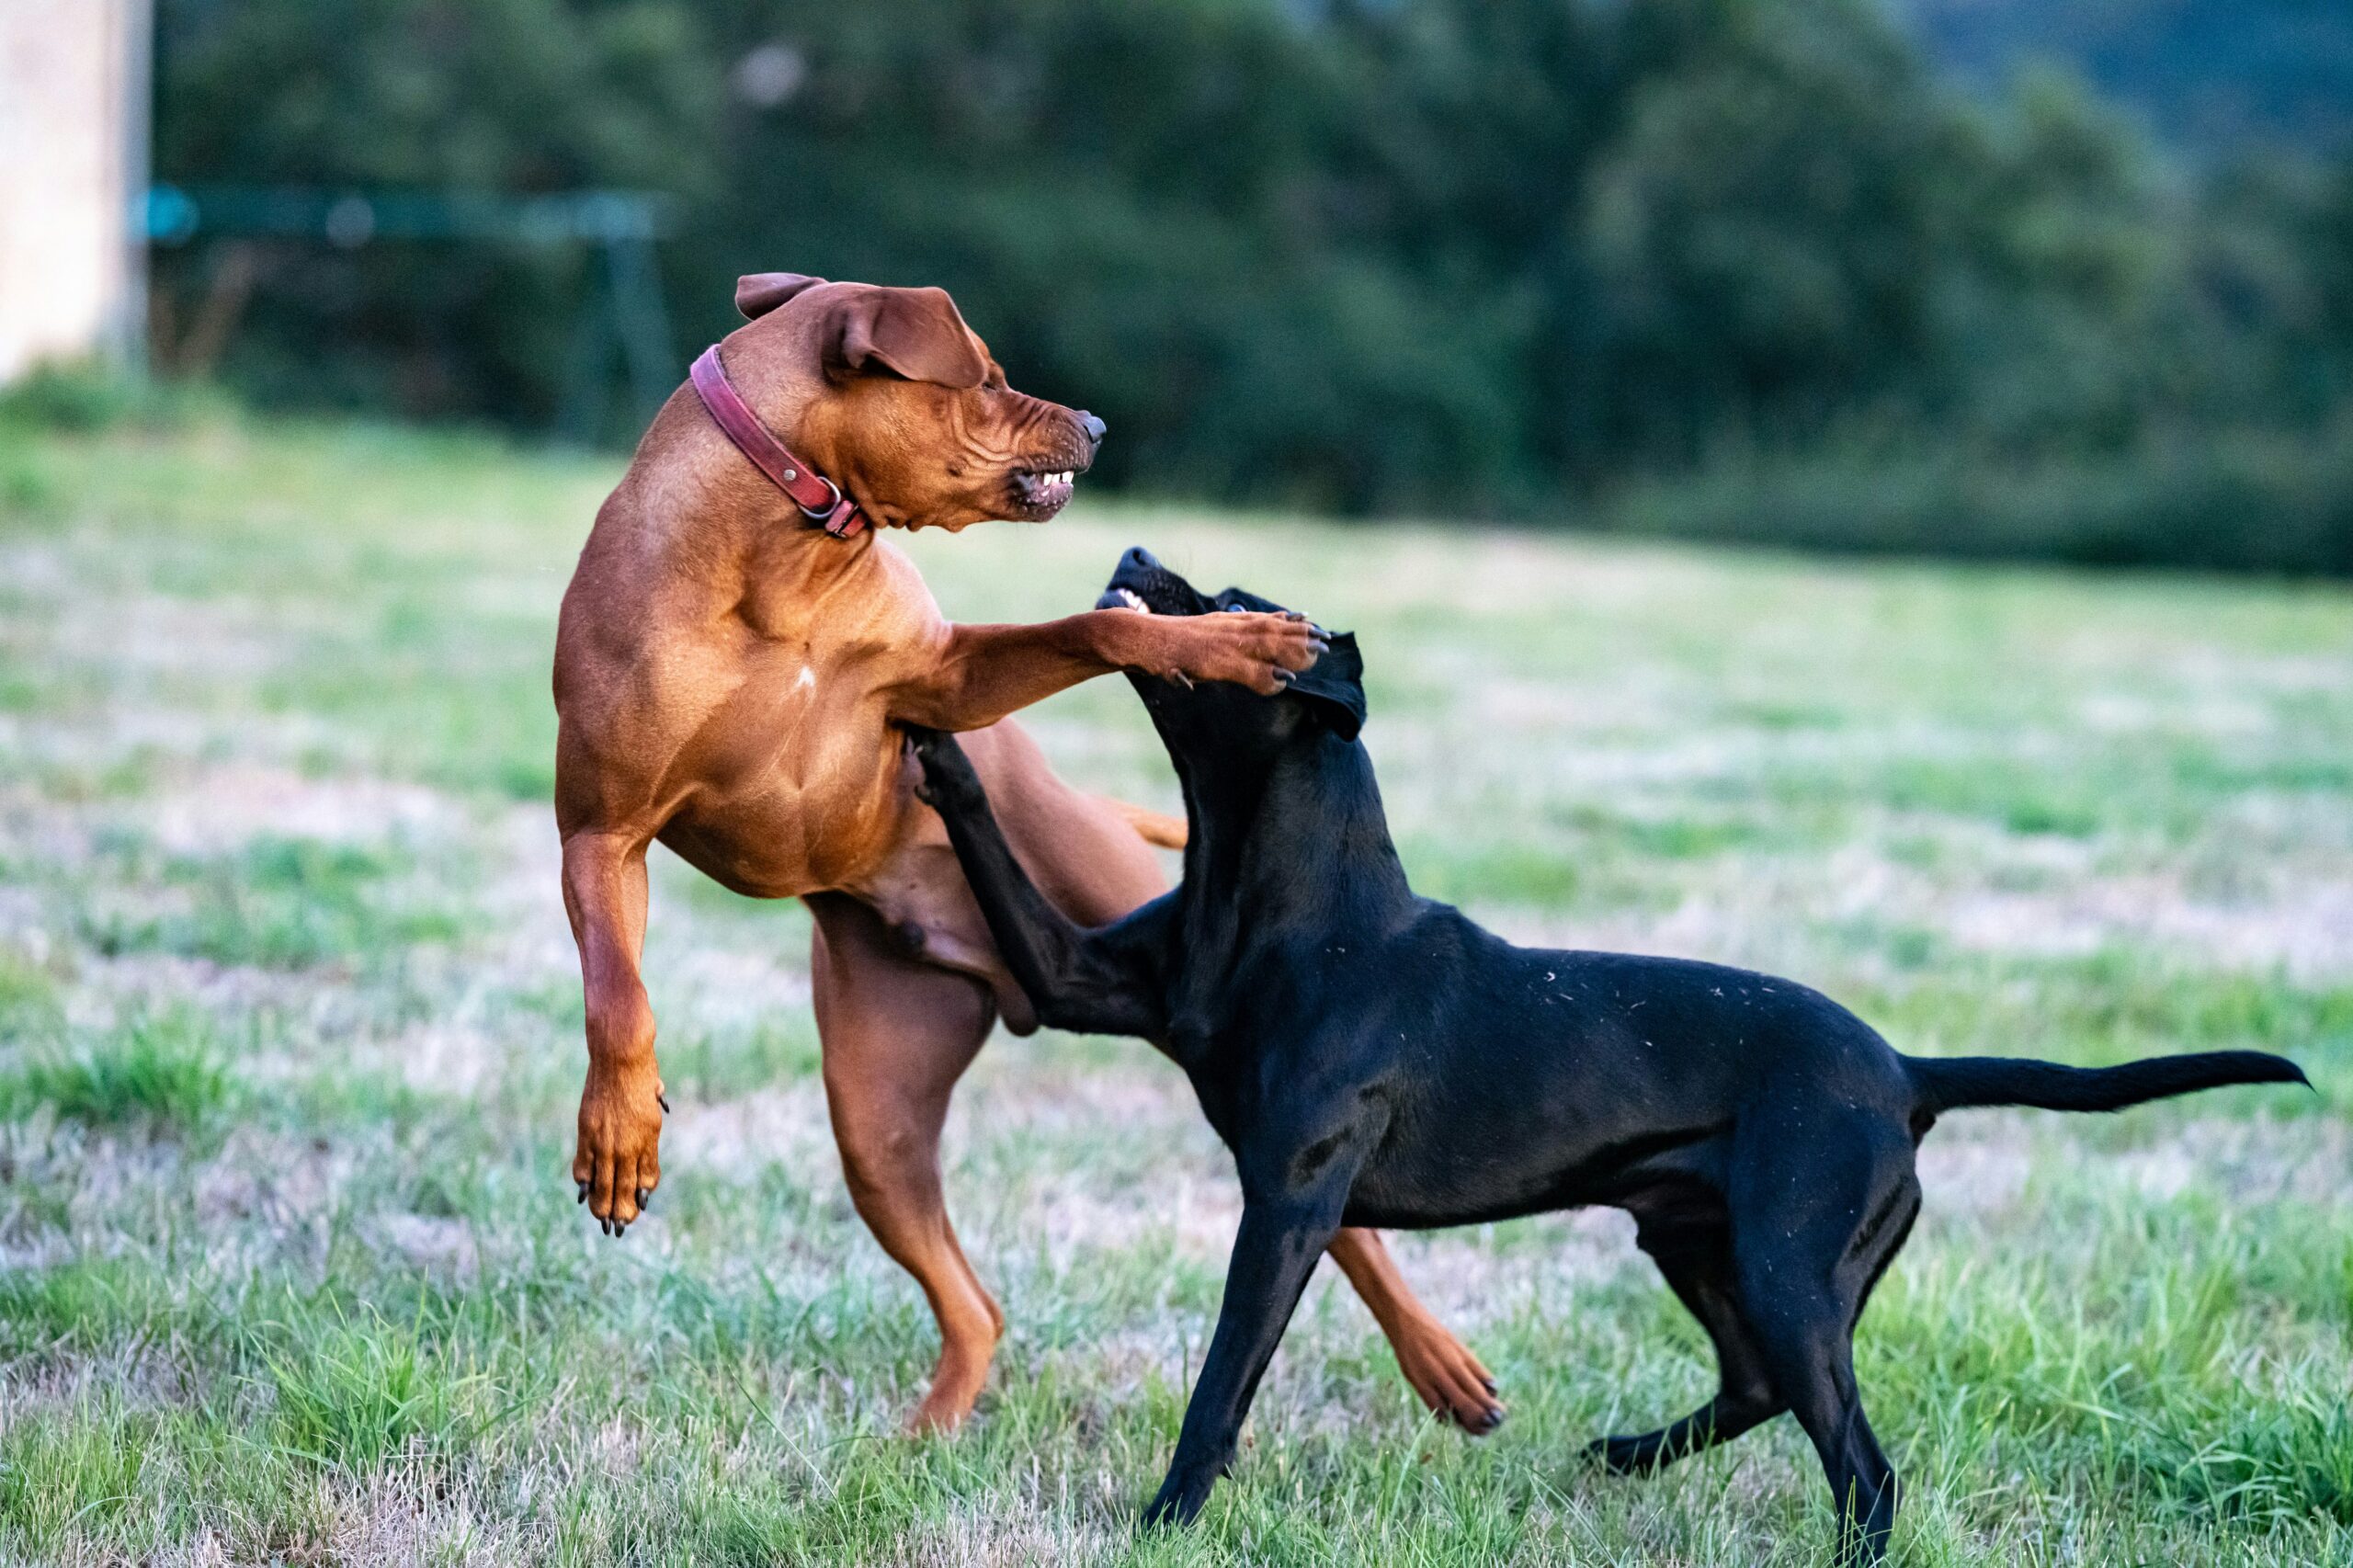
290,1045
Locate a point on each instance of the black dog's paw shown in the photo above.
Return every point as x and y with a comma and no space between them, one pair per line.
1178,1504
1624,1456
947,772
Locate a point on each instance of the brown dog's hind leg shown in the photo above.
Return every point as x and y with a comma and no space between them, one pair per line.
896,1035
1440,1368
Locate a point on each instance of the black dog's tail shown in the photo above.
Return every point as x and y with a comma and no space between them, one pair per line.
1953,1083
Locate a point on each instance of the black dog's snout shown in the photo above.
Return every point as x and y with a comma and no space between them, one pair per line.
1135,572
1092,427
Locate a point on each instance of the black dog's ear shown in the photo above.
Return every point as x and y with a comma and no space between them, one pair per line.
1243,599
1333,686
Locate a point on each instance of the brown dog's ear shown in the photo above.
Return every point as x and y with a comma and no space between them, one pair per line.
757,293
913,333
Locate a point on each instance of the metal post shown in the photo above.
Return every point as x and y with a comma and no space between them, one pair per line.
644,324
127,334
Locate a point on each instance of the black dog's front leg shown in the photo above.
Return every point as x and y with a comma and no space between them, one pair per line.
1095,982
1274,1253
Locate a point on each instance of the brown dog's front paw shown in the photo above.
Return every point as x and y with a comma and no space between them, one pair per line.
618,1161
1244,647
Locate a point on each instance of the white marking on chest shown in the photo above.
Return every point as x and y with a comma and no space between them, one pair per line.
808,679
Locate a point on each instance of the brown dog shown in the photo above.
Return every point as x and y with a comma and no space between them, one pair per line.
727,680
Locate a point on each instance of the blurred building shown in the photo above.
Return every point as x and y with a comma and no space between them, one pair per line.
73,118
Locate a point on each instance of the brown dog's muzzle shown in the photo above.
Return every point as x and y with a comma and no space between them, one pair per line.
1042,486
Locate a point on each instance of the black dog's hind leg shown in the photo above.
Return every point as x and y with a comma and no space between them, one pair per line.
1806,1266
1696,1258
1812,1359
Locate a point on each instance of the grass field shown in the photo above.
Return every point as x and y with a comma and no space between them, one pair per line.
290,1043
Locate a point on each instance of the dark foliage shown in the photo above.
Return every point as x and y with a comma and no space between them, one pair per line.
1508,258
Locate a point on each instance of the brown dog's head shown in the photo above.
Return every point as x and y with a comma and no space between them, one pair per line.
908,412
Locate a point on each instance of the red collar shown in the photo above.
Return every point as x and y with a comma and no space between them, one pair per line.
819,498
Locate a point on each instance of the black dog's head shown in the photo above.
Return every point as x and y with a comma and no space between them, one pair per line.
1326,698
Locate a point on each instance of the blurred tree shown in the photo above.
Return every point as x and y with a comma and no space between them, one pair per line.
473,96
1481,256
1768,232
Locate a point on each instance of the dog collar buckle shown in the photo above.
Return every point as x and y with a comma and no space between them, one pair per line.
820,499
839,517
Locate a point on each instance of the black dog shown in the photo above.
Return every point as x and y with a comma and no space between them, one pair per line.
1372,1058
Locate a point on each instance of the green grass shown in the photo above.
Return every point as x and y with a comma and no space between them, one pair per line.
290,1044
163,1076
274,902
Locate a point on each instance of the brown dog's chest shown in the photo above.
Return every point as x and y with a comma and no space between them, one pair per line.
805,820
796,788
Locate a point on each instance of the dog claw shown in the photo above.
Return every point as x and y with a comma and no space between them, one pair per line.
663,1100
644,1197
584,1194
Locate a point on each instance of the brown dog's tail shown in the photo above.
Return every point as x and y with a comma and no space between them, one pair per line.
1156,828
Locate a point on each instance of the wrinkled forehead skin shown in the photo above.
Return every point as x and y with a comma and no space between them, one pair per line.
896,399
